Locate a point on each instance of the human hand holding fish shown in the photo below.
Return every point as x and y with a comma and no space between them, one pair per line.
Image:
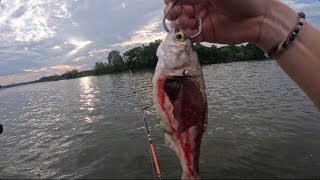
179,96
179,89
229,21
269,24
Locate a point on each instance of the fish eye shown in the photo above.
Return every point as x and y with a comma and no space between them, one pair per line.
180,36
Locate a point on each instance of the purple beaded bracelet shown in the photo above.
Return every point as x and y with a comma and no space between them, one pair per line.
277,50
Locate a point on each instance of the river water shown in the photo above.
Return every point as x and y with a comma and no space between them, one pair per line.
261,125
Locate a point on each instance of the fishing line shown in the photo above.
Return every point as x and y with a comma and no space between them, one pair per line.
152,152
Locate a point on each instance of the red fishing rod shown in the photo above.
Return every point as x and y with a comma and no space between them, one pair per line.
151,147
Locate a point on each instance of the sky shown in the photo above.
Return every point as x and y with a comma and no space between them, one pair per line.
47,37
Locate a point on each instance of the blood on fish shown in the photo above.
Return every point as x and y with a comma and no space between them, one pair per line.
188,103
188,151
161,94
188,108
186,146
181,101
162,98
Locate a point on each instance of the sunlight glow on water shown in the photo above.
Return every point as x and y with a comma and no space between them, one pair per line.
87,97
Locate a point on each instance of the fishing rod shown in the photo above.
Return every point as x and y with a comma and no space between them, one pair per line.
153,156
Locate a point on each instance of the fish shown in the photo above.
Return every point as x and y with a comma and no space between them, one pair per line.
180,99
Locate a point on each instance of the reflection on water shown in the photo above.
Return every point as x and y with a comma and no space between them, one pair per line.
87,96
260,126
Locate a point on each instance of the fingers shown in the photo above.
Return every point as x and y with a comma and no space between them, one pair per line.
185,16
175,12
188,10
207,33
184,23
192,24
178,10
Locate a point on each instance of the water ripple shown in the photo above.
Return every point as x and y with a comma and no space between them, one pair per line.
261,125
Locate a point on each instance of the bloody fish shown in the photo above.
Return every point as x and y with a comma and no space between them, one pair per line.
179,96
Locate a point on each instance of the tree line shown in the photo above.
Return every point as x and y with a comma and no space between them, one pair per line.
144,57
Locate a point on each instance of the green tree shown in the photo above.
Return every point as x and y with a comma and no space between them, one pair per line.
115,62
50,78
205,54
100,68
131,58
150,54
118,64
71,74
112,56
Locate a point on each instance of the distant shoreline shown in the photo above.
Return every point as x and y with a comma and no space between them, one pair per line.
37,81
144,58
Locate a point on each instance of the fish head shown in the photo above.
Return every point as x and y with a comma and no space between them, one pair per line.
176,51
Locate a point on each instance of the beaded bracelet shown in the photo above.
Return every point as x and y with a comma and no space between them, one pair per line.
279,49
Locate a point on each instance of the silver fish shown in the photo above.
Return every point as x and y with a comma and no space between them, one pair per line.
179,96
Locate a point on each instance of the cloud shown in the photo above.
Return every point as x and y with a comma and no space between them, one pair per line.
21,77
66,67
78,46
56,47
32,20
41,38
59,67
36,70
311,8
146,34
295,4
123,5
99,52
35,74
19,12
79,58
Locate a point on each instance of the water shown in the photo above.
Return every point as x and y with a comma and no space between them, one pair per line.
261,125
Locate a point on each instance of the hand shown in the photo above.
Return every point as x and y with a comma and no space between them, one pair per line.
223,21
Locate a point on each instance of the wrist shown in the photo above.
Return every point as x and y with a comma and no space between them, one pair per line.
277,24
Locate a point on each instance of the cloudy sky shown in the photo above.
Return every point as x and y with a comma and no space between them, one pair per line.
46,37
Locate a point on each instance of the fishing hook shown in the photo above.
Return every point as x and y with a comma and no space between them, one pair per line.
166,15
199,31
167,29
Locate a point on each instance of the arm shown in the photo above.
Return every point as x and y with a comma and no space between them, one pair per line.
265,23
301,61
